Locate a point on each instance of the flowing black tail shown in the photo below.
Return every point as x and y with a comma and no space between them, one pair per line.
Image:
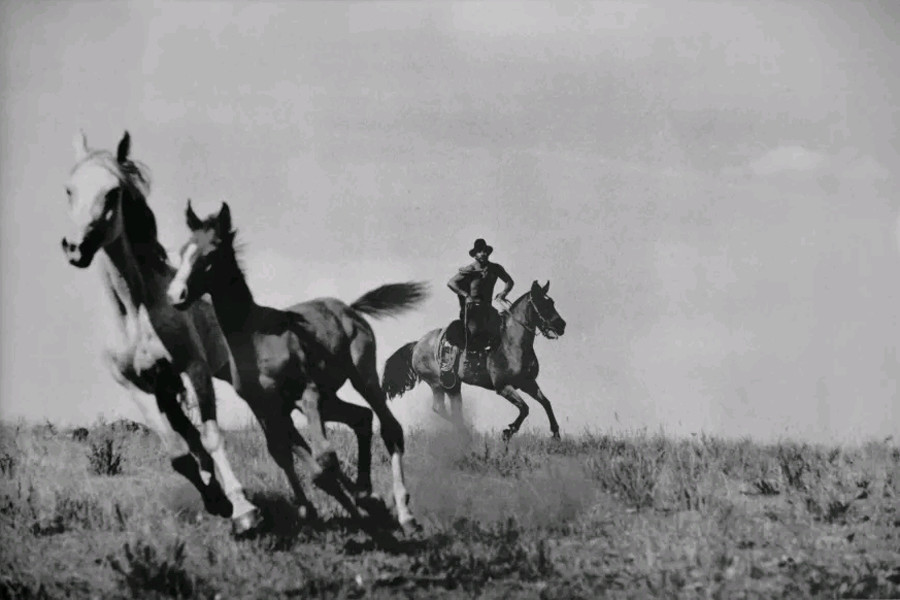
391,299
399,375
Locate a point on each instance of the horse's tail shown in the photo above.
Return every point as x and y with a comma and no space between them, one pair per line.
391,299
399,375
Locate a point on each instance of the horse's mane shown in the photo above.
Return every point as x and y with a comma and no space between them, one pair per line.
139,220
518,300
231,240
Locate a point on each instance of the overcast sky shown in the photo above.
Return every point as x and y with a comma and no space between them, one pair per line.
710,188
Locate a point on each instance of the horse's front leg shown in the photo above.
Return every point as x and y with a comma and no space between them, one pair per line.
437,401
188,458
359,419
509,392
277,429
329,481
532,389
245,515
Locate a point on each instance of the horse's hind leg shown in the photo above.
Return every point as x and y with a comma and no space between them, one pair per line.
358,418
510,394
532,389
365,381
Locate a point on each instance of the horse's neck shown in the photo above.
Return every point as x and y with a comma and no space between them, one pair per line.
517,336
132,285
233,301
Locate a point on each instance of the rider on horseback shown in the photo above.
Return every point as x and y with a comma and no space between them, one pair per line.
474,285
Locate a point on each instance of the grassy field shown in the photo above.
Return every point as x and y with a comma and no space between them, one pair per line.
587,517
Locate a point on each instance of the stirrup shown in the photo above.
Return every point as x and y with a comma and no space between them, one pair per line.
447,379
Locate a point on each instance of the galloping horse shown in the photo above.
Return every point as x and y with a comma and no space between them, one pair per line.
164,357
299,358
510,365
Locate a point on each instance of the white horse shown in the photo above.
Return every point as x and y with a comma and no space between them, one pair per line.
165,357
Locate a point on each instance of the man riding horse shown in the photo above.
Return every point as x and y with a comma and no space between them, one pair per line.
478,320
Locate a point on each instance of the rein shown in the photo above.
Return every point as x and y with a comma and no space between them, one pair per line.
545,323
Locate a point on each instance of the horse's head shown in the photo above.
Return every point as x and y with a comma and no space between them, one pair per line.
95,191
542,314
202,256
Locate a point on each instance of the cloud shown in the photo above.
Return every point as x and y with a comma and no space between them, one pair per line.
865,168
783,159
513,19
846,165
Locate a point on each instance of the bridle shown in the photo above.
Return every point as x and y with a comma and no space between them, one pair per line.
542,326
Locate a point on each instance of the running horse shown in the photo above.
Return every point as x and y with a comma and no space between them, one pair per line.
299,358
164,357
509,366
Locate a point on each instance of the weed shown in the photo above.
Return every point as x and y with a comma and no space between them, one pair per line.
505,462
105,457
632,472
144,570
793,461
8,465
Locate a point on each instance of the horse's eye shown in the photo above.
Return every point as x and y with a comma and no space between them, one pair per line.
207,268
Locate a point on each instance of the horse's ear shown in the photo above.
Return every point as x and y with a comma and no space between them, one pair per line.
535,288
124,148
193,221
224,220
547,286
79,143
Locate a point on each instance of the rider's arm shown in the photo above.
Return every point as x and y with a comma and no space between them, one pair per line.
503,276
456,283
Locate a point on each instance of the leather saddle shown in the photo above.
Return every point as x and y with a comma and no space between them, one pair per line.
458,360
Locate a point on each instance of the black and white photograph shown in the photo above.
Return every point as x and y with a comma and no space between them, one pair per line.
449,299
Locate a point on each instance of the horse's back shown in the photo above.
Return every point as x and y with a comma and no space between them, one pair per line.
330,319
424,358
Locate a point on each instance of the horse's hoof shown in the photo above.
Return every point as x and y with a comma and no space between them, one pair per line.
220,507
246,524
328,461
555,436
507,434
411,526
308,513
373,507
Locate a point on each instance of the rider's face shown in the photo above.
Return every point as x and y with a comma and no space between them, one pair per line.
481,256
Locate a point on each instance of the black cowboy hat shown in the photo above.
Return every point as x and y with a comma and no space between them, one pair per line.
480,245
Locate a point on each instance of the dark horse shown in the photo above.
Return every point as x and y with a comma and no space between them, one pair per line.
299,358
511,365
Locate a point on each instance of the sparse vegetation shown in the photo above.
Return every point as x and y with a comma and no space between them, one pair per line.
106,456
144,571
588,516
